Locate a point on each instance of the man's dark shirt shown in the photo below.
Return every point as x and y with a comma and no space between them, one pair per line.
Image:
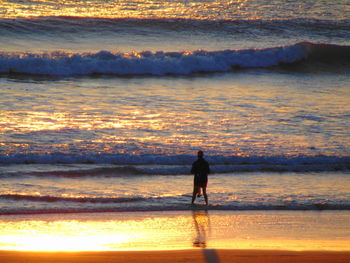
200,169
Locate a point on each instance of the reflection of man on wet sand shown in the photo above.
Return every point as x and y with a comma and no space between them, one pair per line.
201,223
200,169
202,226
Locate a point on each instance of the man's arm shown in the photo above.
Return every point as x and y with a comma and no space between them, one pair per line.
193,169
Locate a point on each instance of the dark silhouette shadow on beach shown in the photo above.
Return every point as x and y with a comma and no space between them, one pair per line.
201,222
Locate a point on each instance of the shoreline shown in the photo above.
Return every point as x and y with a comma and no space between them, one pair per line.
177,256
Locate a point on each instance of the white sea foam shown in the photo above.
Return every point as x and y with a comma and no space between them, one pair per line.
147,63
167,63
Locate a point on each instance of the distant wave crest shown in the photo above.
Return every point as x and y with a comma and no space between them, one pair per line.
136,204
56,25
114,165
50,199
170,63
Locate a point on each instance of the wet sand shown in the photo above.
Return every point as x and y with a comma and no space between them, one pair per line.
178,236
178,230
177,256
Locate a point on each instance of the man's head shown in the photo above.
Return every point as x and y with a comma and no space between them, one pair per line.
200,154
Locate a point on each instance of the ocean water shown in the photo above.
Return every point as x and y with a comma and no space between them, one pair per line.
104,105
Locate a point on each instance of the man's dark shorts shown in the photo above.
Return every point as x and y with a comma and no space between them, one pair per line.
200,181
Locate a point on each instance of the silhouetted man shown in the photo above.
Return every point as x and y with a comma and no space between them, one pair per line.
200,169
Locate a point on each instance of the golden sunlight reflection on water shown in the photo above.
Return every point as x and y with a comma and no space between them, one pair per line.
176,230
172,117
123,9
199,9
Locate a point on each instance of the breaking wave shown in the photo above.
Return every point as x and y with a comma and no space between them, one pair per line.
173,63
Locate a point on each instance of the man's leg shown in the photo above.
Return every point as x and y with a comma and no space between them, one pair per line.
195,192
199,192
204,190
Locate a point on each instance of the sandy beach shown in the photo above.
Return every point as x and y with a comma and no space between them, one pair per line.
177,236
177,256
